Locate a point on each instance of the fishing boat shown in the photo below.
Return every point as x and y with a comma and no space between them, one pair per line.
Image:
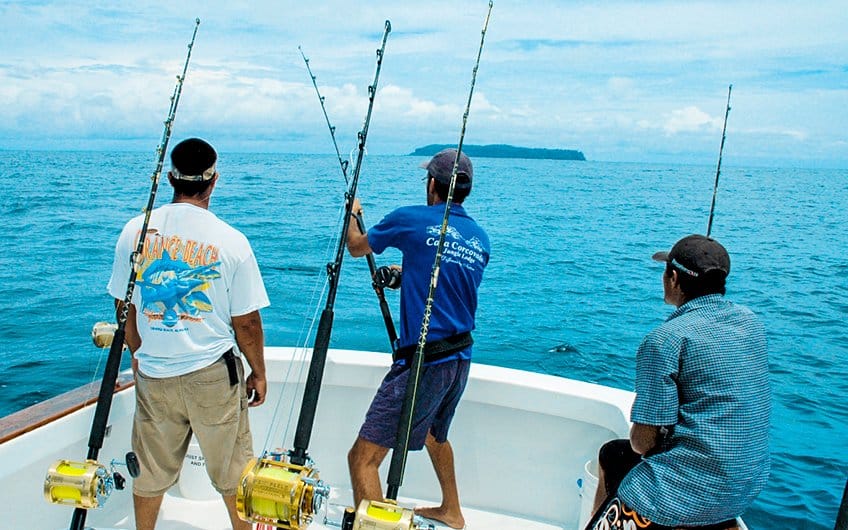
525,447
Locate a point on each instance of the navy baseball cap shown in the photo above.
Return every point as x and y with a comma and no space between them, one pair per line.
440,167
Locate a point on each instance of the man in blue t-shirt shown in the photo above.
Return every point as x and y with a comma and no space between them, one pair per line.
698,450
415,231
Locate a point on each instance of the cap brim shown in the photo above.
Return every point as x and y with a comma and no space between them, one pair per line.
425,163
660,256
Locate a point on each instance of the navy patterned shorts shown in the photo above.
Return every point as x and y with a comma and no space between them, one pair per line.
439,389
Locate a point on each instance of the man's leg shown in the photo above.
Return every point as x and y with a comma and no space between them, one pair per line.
364,461
146,511
601,492
615,460
238,524
450,511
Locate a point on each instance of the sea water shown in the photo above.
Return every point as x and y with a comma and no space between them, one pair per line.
570,289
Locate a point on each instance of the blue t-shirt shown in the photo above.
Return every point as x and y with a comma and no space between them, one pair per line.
414,230
705,372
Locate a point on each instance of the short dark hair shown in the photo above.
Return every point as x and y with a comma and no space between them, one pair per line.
442,189
710,282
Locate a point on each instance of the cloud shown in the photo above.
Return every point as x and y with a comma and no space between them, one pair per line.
690,119
614,77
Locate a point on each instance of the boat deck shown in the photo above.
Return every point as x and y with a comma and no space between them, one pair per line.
179,513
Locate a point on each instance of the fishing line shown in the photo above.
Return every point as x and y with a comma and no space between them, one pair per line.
113,361
399,454
278,429
718,167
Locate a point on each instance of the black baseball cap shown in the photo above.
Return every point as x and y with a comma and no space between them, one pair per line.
193,159
696,255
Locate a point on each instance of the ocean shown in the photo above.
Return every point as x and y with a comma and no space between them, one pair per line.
570,289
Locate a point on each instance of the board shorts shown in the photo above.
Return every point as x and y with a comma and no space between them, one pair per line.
440,388
168,410
617,458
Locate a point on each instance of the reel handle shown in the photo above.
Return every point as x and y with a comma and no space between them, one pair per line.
130,462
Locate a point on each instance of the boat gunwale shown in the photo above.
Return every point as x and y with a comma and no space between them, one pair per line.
52,409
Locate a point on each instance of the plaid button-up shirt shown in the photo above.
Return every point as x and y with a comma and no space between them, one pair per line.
705,372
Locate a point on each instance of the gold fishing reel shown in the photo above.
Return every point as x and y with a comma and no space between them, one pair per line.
278,493
85,484
385,515
102,334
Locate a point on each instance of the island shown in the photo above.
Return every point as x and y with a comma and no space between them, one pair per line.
503,151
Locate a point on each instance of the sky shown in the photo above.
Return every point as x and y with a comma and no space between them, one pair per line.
618,80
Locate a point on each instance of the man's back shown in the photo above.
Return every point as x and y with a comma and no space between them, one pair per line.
414,230
195,272
704,372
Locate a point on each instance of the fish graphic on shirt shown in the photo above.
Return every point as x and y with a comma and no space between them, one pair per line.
173,289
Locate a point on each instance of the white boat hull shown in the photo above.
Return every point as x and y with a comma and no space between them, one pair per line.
521,440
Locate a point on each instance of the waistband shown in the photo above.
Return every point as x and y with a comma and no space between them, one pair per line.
436,350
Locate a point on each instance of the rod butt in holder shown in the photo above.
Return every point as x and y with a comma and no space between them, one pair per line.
382,515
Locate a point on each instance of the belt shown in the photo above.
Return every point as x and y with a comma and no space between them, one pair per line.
436,350
232,367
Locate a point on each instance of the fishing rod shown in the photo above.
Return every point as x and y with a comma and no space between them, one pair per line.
379,282
325,324
284,490
385,515
342,163
376,283
88,484
718,168
842,514
396,469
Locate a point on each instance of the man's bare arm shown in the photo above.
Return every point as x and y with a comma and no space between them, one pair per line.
643,438
251,342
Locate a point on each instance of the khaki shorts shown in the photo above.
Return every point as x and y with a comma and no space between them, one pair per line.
169,409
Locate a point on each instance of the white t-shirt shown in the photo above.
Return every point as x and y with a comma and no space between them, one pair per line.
195,273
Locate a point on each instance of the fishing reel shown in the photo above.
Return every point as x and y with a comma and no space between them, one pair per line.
388,277
278,493
86,484
385,515
102,334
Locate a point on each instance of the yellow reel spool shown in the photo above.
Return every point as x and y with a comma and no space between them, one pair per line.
376,515
280,494
78,484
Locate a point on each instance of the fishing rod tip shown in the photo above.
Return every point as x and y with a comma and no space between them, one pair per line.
197,21
388,25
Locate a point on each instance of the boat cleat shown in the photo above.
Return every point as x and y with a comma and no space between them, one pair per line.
275,492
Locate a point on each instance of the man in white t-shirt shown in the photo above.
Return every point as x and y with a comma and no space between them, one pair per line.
194,315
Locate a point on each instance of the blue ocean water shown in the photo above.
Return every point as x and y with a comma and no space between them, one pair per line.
570,289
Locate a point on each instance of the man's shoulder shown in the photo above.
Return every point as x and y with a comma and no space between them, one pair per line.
411,210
